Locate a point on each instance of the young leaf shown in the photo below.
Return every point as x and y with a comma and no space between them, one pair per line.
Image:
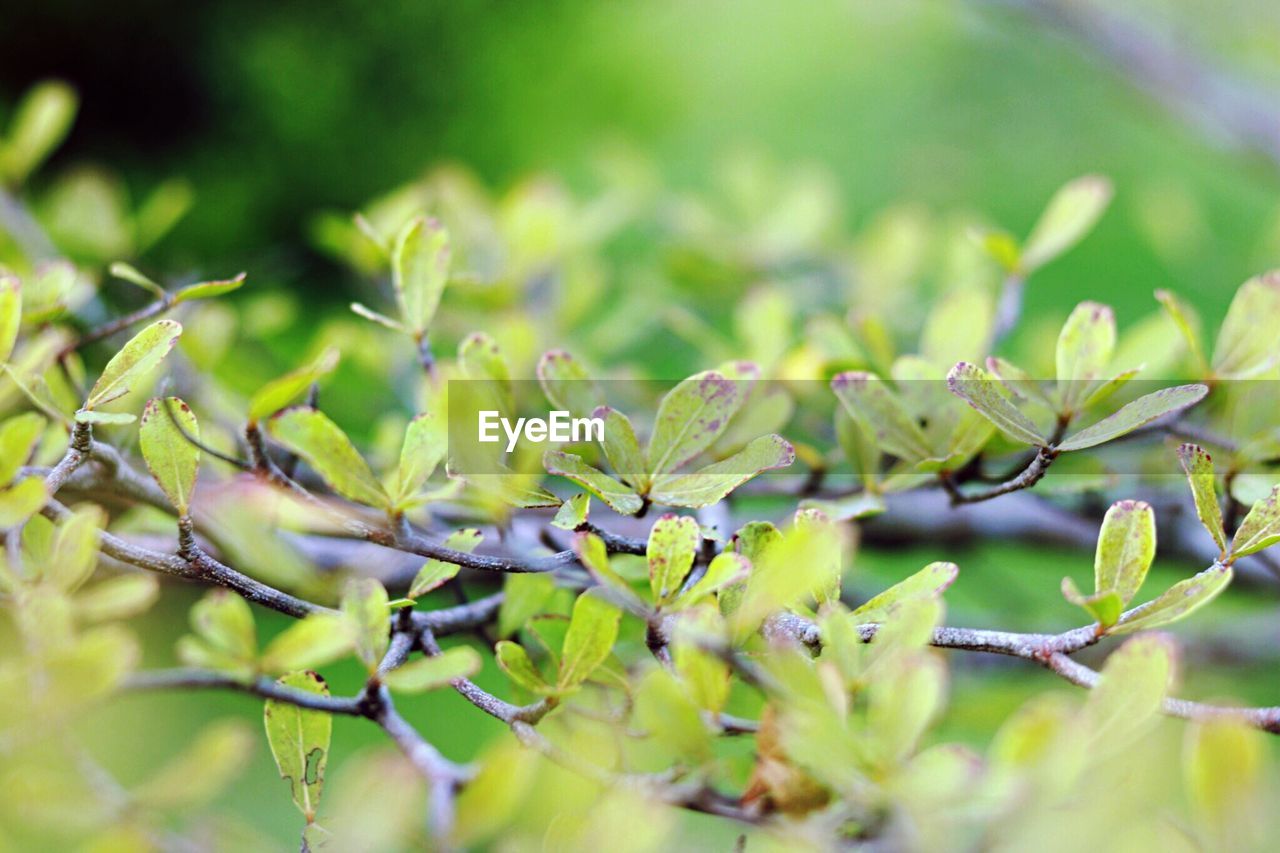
1134,682
364,604
929,582
1188,324
1085,347
419,271
208,289
620,497
594,557
515,662
1177,602
121,597
726,568
593,627
1199,467
1126,547
1245,347
10,314
431,673
981,391
567,384
315,640
436,573
282,391
1260,528
1138,413
299,740
40,123
690,417
622,449
20,501
424,448
524,596
18,437
1104,606
1069,216
870,403
573,513
75,548
673,543
326,448
709,485
171,458
131,274
223,620
137,358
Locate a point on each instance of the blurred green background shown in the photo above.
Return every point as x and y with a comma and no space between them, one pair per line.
276,111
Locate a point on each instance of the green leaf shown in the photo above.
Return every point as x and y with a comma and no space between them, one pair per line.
983,392
1105,606
573,513
224,621
1199,467
120,597
858,505
620,497
171,458
567,384
312,641
142,354
673,543
1187,323
431,673
724,569
131,274
1260,528
10,314
282,391
1224,766
593,628
424,448
622,449
75,548
39,125
515,662
690,417
1127,698
364,603
436,573
930,582
1069,216
311,435
419,271
208,289
594,557
524,596
1126,547
299,740
1245,346
1138,413
1085,347
881,415
709,485
202,770
958,327
20,501
18,437
1177,602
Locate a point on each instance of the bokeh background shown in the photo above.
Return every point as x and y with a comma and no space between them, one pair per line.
275,112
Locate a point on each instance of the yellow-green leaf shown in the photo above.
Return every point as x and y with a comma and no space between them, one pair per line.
929,582
1260,528
622,449
524,596
1127,698
299,740
1138,413
436,573
593,627
422,452
573,513
208,289
431,673
1085,347
313,641
881,415
311,435
142,354
224,620
18,437
515,662
282,391
20,501
1199,467
690,417
171,458
673,543
1177,602
724,569
983,392
567,384
617,495
1104,606
75,548
364,603
709,485
419,271
39,125
10,314
1246,346
115,598
1126,547
1069,216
